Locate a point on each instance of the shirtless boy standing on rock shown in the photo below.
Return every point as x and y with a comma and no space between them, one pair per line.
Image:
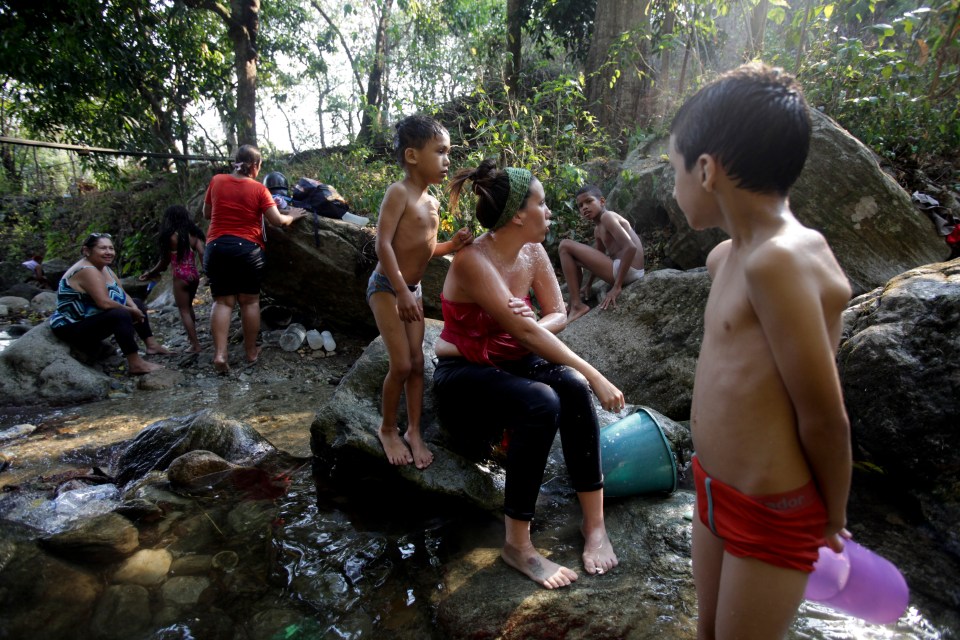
406,240
616,257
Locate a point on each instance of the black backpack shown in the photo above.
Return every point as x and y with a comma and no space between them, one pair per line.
319,198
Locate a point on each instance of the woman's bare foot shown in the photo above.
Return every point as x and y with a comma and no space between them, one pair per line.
577,311
530,563
252,357
422,456
157,349
598,555
394,446
137,366
221,366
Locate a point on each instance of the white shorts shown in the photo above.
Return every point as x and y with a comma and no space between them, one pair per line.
632,276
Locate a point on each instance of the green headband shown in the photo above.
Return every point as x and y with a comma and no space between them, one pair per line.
519,188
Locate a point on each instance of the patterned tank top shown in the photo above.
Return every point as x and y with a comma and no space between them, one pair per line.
74,306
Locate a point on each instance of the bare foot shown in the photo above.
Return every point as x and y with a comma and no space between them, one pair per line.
222,366
530,563
195,349
256,354
422,456
143,367
577,311
598,555
394,446
158,350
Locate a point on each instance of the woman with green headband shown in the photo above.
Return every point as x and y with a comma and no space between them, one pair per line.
528,384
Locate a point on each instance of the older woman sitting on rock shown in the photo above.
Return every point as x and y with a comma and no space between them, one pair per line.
499,367
92,305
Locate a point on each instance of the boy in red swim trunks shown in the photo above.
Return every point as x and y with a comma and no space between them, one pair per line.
773,460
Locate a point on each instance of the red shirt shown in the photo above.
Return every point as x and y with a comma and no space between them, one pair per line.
237,206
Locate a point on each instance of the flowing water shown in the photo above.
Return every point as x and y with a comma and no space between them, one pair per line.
305,561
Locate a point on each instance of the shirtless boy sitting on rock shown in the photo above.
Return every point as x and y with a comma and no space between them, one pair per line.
616,257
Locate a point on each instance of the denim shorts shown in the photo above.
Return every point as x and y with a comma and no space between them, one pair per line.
379,283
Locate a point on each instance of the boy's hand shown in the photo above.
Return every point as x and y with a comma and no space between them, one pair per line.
610,300
462,238
836,540
407,306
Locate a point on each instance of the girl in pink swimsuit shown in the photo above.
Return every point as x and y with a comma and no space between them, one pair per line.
181,242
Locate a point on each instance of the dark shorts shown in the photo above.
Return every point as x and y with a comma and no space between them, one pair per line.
234,266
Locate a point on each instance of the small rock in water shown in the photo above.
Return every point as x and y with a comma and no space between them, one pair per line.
17,431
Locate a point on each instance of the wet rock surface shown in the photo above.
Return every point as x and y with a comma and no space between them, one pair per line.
258,548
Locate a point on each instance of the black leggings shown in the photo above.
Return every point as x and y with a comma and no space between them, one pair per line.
87,333
530,398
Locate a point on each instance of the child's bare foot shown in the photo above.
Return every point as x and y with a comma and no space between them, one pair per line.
193,349
530,563
394,446
422,456
577,311
252,357
598,555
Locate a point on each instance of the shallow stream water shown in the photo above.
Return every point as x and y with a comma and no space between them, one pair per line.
312,562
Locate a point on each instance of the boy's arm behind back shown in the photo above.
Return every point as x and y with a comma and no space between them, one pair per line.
798,293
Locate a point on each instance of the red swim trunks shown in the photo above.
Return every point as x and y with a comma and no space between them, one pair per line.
785,530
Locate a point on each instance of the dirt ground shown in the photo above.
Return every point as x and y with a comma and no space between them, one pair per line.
278,395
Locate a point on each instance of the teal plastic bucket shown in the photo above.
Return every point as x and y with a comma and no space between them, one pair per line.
636,457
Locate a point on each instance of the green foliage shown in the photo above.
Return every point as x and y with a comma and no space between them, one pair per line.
892,80
552,134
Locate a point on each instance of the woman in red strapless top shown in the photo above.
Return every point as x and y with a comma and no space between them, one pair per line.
493,348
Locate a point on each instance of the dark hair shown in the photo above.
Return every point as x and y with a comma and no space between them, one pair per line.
592,189
490,185
248,156
414,132
754,121
94,238
177,220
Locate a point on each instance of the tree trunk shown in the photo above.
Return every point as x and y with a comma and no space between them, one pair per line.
243,30
662,89
371,121
514,34
622,64
243,27
758,26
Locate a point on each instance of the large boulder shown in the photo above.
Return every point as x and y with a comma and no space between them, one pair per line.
344,437
344,433
650,595
322,273
900,368
648,344
38,367
163,442
870,222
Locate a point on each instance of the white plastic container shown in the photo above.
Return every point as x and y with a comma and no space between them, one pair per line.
328,342
314,339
